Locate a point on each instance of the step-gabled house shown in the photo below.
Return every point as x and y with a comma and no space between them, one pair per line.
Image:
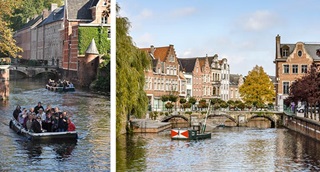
164,76
292,61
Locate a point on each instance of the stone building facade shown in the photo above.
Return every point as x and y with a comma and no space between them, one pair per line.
292,61
164,76
235,82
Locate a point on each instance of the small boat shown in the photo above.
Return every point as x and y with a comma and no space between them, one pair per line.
44,136
59,89
188,134
191,134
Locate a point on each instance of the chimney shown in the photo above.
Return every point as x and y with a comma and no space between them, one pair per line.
54,6
278,54
152,50
45,14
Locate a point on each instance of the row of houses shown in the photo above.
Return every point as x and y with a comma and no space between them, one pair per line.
54,36
199,77
209,77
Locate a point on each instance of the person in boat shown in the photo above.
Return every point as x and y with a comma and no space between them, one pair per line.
65,120
36,109
71,126
43,118
48,108
48,121
16,112
22,115
61,123
29,121
36,125
31,110
55,122
70,85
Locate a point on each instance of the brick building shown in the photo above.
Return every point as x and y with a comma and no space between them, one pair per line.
80,13
207,77
26,37
292,61
54,37
164,76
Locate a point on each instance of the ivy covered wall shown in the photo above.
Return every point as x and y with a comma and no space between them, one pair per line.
100,35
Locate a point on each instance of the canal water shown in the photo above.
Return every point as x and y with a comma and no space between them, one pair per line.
229,149
90,113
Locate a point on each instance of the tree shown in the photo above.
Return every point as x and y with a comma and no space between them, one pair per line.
7,43
28,9
130,65
192,101
257,87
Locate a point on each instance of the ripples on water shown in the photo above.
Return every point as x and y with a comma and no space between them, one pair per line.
90,113
229,149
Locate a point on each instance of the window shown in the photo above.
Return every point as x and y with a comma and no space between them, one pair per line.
188,92
188,80
294,68
285,68
299,53
104,20
304,68
285,87
285,51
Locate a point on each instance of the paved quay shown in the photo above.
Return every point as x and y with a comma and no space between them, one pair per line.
149,126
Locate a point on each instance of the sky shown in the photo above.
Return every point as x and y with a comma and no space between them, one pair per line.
243,31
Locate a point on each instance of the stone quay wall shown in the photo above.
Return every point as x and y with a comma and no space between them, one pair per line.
302,125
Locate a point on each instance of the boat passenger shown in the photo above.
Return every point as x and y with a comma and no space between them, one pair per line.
36,125
43,118
29,121
70,85
48,121
61,123
31,110
22,115
16,112
55,122
71,126
36,109
48,108
65,120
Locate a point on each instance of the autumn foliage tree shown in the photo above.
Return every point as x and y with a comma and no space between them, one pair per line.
7,43
306,89
257,87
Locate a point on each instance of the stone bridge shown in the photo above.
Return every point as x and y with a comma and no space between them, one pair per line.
240,118
32,71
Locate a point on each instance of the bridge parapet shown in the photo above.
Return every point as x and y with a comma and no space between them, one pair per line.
31,71
241,118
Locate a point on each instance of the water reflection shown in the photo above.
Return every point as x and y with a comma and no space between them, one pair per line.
230,149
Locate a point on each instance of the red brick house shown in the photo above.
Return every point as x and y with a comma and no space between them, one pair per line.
164,76
80,13
292,61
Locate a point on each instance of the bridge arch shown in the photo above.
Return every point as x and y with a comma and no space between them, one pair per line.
167,118
223,115
273,122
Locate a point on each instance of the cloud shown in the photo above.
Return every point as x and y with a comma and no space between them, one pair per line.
145,40
258,21
183,12
145,14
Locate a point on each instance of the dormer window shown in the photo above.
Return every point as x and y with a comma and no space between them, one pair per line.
285,51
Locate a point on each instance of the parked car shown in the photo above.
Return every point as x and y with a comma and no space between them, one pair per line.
301,109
